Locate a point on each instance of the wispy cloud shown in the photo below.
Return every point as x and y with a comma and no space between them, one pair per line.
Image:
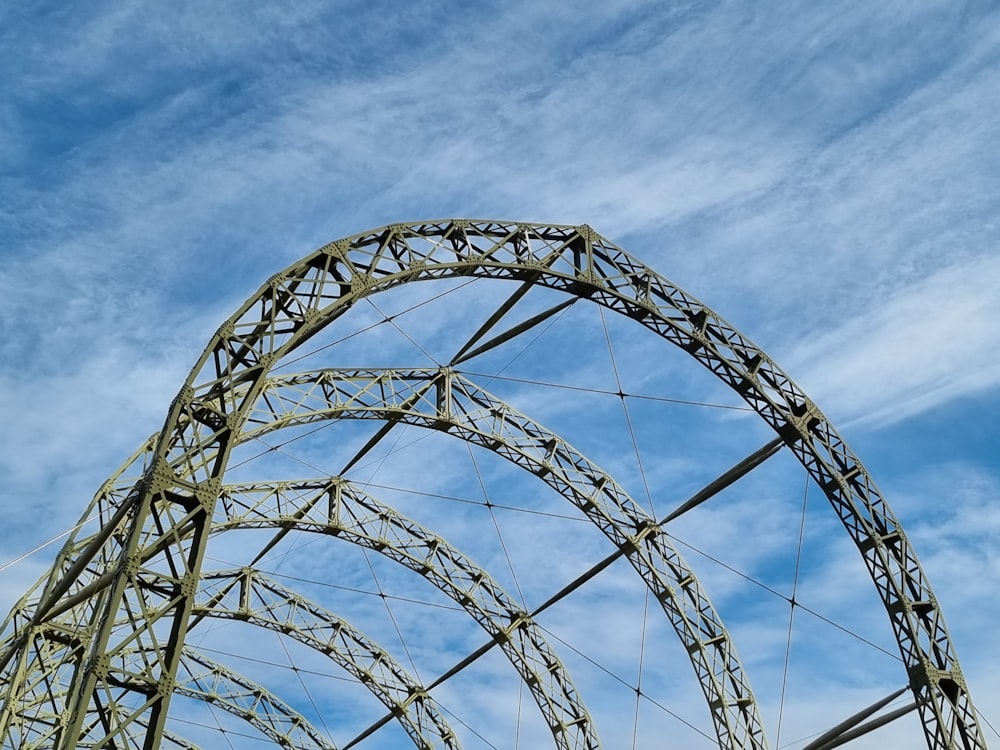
825,177
922,346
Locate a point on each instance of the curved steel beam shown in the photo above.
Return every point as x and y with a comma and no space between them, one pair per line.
483,419
444,400
183,482
250,596
339,508
204,679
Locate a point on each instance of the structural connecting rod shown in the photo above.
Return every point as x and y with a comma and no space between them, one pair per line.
182,483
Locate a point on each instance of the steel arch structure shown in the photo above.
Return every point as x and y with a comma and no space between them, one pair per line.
338,507
441,399
248,595
130,589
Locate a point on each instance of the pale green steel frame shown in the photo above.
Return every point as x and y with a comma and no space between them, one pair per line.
336,507
445,400
378,527
250,596
204,679
155,581
361,519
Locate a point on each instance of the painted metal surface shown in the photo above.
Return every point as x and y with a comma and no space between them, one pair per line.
130,589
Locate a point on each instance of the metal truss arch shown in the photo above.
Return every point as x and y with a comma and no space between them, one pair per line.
428,555
206,680
485,420
365,521
445,400
250,596
185,476
338,508
200,678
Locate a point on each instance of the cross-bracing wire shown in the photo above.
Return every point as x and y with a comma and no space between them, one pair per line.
760,584
791,609
298,674
649,497
275,664
470,501
628,418
621,680
215,718
392,617
405,335
517,584
468,726
285,363
489,506
235,733
604,392
638,677
43,545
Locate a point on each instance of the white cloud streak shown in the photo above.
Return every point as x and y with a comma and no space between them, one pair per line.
827,176
924,345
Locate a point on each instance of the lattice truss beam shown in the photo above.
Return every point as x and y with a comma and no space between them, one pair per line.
445,401
133,584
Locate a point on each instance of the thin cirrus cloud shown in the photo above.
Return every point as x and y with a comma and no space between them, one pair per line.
824,177
923,346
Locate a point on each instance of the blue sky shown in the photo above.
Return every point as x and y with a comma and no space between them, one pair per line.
823,175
